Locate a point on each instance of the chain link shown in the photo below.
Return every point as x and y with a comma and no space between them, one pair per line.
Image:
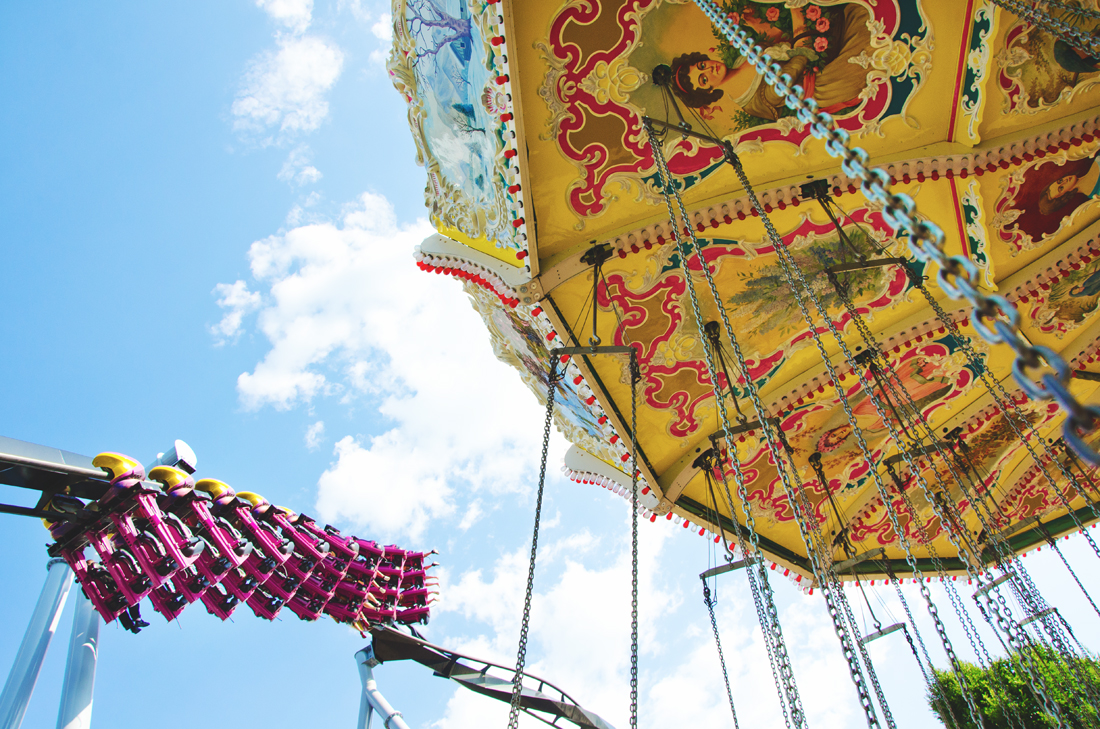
958,276
635,376
521,656
1071,9
1052,24
710,603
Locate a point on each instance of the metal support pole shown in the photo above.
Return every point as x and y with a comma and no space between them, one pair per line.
372,700
76,692
32,651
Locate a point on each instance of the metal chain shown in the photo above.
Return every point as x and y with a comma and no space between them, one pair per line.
927,243
1014,417
635,375
521,656
930,676
844,623
1053,542
1054,25
958,276
1028,593
1072,10
899,211
710,603
767,612
967,556
782,254
754,589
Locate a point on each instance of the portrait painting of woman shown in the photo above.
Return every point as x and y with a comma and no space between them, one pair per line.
1050,193
812,44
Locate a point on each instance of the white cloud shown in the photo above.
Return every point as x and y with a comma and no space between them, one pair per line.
296,15
350,315
383,31
579,638
472,516
284,90
315,434
297,169
237,301
355,7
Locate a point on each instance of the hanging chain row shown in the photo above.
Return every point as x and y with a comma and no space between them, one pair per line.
766,610
521,656
710,603
1052,24
1072,9
635,376
790,270
844,623
1028,594
958,276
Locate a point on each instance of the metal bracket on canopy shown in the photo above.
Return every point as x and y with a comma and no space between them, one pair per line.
880,633
933,447
744,428
849,563
590,350
861,265
1037,616
715,571
685,129
986,588
1004,533
1083,375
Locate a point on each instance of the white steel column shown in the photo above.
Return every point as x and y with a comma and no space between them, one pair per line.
372,700
32,651
76,693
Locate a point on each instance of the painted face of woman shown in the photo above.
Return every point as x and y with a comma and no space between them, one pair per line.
707,74
1061,186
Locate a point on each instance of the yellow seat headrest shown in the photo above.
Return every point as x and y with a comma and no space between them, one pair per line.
215,488
171,477
255,499
119,466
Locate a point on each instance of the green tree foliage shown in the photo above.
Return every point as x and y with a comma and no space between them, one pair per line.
1002,691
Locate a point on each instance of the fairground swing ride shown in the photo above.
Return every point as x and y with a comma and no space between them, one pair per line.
817,279
840,371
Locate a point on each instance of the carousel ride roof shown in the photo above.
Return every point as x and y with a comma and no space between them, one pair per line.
528,119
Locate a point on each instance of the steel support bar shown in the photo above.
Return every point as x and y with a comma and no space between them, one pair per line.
372,700
743,428
36,513
32,651
683,128
861,265
986,588
919,453
1038,616
76,692
880,633
590,350
1004,533
1083,375
713,571
849,563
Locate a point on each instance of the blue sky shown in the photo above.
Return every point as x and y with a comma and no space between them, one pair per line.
208,212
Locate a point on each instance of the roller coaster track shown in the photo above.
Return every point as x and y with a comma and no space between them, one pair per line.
538,697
